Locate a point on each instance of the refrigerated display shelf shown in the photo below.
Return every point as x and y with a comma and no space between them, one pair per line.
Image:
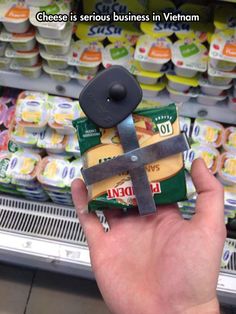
220,113
48,236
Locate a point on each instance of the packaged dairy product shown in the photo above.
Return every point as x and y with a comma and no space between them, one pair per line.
52,141
20,136
32,72
23,167
3,111
31,95
151,91
57,46
3,47
62,76
4,139
208,132
227,168
4,63
145,77
210,100
75,171
5,158
33,115
223,46
23,58
229,143
38,3
15,16
212,89
153,53
82,79
86,56
220,77
185,125
181,84
20,42
63,112
207,152
232,103
182,97
117,54
54,61
72,145
53,172
222,65
53,30
10,113
166,176
189,57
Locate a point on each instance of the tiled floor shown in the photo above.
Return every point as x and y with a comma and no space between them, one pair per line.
25,291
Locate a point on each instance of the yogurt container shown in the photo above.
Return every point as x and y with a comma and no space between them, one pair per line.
31,95
152,53
52,141
223,46
62,76
72,145
117,54
33,115
3,112
53,172
222,65
4,140
75,171
53,30
230,140
63,112
15,16
151,91
23,167
181,97
227,169
181,84
57,46
54,61
185,125
32,72
3,47
9,116
220,77
207,152
5,63
5,157
208,132
145,77
19,42
20,136
86,57
210,100
211,89
82,79
189,57
27,59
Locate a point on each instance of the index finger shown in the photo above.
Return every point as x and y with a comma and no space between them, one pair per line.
210,200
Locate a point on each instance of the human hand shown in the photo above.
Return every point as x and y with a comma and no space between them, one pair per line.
160,263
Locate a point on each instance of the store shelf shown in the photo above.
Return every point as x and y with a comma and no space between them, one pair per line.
44,83
220,113
50,237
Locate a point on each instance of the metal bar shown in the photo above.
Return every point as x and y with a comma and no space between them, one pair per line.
145,155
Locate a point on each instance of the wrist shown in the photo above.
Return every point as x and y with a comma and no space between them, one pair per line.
211,307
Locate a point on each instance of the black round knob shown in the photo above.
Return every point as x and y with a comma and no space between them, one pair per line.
117,92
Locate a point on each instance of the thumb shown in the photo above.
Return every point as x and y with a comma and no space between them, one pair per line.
210,200
91,225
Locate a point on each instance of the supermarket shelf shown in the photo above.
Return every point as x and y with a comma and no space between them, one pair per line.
220,113
48,236
44,83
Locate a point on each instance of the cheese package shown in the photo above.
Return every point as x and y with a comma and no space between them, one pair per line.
166,176
230,140
227,169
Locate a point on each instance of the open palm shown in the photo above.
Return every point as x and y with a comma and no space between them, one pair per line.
159,263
